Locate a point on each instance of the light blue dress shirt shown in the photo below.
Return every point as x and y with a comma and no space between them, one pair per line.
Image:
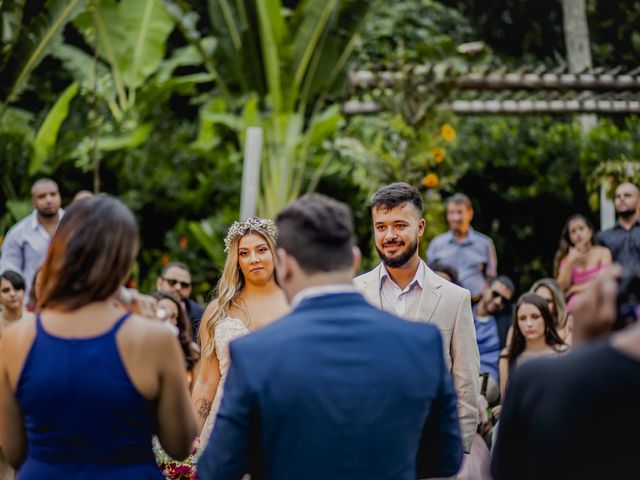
474,258
25,247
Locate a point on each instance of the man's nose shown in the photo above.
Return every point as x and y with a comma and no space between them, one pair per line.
390,233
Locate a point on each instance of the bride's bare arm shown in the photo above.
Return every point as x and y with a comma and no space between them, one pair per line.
204,389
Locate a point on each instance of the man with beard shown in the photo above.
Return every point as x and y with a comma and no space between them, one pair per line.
403,284
624,238
25,246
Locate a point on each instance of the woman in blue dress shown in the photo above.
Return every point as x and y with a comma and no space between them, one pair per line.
86,384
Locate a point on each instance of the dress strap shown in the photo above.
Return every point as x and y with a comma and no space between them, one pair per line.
119,322
39,327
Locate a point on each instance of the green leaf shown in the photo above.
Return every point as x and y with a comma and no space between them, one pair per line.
33,44
11,12
184,57
46,137
132,37
131,139
273,33
81,65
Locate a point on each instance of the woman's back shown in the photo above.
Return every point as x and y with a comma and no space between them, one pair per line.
82,413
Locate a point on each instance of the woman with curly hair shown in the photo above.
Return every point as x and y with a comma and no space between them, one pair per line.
247,297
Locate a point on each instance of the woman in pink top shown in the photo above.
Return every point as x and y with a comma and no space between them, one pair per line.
578,261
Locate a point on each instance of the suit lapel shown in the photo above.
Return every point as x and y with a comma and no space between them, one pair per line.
431,293
371,287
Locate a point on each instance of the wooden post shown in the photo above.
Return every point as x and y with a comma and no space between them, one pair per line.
251,172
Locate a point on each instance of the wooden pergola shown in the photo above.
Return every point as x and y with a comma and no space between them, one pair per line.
525,91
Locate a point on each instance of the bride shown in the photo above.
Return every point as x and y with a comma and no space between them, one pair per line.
247,298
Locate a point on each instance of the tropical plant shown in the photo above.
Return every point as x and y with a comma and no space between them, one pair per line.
23,46
280,66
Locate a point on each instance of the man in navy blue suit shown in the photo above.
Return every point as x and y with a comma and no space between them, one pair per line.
337,389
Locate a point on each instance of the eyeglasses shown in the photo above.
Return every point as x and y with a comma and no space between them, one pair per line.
173,282
504,299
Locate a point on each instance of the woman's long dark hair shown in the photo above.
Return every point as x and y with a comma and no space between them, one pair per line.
565,242
91,254
185,332
518,342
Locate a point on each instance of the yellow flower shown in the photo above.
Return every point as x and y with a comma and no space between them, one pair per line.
438,154
448,133
430,180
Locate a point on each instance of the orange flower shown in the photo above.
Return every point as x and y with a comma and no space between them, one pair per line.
430,180
448,133
164,259
438,154
183,242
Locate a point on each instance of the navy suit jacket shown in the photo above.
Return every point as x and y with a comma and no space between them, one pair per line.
337,389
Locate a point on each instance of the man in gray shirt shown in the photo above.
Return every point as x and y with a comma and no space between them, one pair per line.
25,246
471,253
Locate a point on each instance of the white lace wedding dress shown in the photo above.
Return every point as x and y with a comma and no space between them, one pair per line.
228,329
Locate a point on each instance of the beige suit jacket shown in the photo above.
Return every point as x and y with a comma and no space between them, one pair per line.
447,307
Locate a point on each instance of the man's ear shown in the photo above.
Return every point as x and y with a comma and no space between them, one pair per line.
159,284
283,265
357,259
421,225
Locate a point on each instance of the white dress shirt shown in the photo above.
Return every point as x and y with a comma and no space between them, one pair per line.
401,300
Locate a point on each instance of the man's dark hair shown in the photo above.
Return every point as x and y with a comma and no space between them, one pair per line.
459,198
506,281
396,194
318,232
450,271
181,265
14,278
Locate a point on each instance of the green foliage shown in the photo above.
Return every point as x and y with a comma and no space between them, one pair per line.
24,50
48,132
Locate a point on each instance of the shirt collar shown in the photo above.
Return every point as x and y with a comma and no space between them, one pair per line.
468,239
34,218
417,278
320,291
617,225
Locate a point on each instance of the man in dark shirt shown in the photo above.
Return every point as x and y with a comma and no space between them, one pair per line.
176,278
576,416
624,238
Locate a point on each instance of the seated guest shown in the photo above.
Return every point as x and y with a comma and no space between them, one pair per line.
493,301
176,278
87,384
534,335
445,271
577,416
549,289
12,299
578,260
175,315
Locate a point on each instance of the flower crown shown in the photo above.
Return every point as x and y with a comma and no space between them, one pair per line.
250,225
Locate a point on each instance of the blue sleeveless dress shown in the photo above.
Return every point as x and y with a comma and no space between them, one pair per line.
84,419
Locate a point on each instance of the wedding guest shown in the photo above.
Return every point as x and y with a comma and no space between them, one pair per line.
549,289
470,252
25,245
623,239
175,316
86,383
12,299
534,335
247,298
578,260
337,389
176,278
577,416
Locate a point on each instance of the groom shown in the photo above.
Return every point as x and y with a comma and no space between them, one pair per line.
336,389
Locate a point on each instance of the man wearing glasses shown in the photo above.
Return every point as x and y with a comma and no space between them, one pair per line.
176,278
491,318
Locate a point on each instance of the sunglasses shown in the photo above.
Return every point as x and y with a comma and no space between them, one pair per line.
173,282
504,299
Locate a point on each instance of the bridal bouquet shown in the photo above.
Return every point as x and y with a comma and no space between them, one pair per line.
172,469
